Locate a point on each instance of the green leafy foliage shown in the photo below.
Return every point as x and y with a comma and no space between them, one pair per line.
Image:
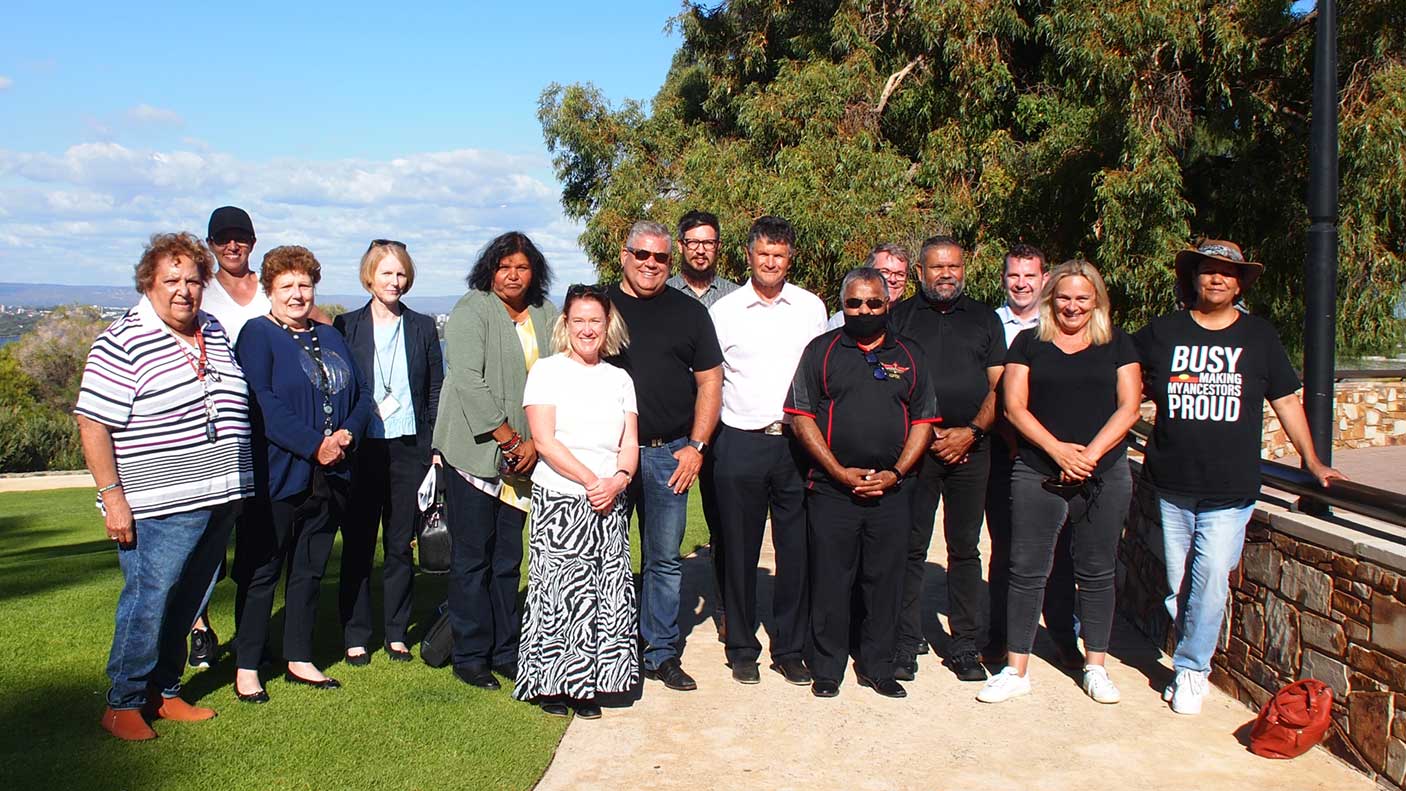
1116,131
53,353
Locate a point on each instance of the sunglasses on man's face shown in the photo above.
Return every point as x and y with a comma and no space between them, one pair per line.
643,255
873,303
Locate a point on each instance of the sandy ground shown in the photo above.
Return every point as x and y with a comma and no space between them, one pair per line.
778,736
33,482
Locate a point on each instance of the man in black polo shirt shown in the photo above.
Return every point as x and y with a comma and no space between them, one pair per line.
676,365
966,349
862,405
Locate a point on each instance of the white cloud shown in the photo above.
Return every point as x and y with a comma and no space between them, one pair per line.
156,116
5,83
91,207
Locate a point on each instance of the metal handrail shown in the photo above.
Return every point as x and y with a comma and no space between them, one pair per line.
1350,374
1357,498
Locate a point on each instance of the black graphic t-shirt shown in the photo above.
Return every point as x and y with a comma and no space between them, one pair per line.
1210,387
1072,395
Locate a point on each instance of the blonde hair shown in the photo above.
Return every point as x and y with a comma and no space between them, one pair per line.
1099,330
373,257
617,335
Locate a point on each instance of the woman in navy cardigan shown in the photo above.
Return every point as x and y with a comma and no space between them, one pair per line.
399,351
311,405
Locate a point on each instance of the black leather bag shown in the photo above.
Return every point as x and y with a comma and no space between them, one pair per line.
438,645
432,542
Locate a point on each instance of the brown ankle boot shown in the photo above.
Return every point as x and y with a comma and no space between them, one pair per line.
176,709
127,725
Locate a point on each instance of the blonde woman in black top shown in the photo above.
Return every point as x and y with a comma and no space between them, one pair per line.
1072,387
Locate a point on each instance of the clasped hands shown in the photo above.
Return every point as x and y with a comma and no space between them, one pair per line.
334,448
601,492
1075,462
867,483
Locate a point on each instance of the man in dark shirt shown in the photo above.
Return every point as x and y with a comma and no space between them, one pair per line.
869,387
676,364
965,348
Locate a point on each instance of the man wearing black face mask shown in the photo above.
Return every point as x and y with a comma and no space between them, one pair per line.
863,407
964,340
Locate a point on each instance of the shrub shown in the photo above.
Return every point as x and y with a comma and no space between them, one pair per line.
34,438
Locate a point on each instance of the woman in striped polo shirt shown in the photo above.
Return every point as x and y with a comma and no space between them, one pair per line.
163,412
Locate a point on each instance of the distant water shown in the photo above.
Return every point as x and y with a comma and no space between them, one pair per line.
8,339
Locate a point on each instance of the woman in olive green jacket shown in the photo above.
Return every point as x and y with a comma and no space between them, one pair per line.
494,335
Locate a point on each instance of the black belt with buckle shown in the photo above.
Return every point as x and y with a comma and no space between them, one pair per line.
775,429
658,442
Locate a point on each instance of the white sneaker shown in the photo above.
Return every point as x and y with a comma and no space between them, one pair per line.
1191,691
1171,688
1003,686
1099,686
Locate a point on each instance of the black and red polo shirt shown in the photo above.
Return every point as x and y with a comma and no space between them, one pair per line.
863,402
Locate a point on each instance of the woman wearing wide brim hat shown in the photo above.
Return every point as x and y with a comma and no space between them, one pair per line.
1188,263
1210,368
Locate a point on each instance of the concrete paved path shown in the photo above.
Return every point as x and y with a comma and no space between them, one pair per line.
37,481
777,736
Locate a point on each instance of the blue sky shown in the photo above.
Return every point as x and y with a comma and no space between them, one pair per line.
331,123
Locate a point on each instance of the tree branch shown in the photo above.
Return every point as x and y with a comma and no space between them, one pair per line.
891,84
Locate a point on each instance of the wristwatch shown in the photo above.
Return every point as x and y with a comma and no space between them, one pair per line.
698,445
977,431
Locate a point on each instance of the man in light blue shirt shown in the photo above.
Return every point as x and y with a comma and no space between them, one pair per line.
1024,277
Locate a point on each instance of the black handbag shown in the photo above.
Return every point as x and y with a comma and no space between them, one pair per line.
432,541
438,645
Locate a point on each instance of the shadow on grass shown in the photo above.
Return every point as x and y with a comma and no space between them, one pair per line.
65,747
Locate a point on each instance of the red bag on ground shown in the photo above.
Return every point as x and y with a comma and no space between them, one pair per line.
1293,721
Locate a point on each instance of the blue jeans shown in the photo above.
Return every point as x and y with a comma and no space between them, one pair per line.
1207,542
165,572
662,517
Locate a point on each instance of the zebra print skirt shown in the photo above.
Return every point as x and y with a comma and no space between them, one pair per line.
579,630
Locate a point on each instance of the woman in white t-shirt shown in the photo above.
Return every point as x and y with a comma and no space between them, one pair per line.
579,629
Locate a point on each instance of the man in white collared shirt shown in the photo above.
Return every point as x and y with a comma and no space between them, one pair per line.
1024,277
762,328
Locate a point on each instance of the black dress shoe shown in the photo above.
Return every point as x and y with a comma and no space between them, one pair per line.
556,708
824,689
746,673
359,660
794,671
587,709
967,666
254,697
922,647
887,687
326,683
396,655
477,677
721,618
671,672
905,669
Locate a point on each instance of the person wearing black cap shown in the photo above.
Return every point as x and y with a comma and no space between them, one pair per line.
1210,369
869,386
234,295
964,340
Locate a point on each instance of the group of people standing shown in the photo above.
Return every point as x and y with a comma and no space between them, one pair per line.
226,401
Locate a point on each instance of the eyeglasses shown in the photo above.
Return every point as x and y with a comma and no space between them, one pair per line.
223,239
695,244
384,242
879,372
643,255
873,303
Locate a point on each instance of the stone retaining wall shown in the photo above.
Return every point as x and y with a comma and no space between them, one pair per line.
1310,599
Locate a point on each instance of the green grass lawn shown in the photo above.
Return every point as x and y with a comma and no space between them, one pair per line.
392,726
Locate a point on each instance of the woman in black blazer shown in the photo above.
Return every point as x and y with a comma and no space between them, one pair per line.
399,350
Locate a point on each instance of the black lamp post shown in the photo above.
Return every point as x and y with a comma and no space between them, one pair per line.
1321,265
